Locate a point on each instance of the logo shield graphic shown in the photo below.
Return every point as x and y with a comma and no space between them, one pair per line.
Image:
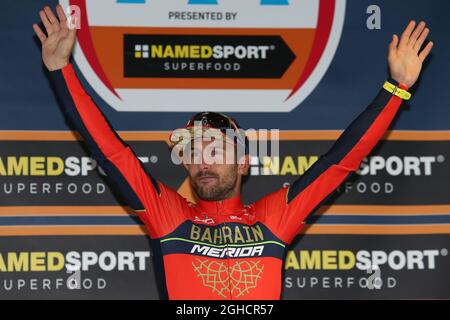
238,278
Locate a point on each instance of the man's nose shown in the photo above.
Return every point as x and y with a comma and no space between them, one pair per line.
204,165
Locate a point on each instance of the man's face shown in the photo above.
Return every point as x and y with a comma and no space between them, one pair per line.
214,181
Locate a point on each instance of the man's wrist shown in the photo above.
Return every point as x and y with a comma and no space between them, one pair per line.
398,84
397,89
57,66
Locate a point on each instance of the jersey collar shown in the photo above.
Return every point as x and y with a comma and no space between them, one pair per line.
222,207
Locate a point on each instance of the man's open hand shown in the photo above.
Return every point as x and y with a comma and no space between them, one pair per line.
57,45
405,60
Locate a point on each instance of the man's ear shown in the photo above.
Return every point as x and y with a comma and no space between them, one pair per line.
244,164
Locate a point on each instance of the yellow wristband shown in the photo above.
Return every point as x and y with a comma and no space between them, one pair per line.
395,90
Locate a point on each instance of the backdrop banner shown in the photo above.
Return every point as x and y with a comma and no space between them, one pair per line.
305,67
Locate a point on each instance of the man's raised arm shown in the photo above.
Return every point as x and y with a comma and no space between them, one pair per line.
310,191
125,172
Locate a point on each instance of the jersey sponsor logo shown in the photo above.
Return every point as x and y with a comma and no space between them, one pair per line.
238,234
236,279
230,236
224,241
227,251
179,56
205,220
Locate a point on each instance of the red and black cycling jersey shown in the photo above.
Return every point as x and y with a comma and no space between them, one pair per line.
220,249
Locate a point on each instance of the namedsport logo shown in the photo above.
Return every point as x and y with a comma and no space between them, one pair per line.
188,55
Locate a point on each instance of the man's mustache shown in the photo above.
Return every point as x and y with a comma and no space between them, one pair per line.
206,174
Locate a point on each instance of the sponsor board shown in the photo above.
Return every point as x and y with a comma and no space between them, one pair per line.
225,55
340,267
107,267
316,266
397,172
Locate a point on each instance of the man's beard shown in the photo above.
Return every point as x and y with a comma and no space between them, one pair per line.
219,191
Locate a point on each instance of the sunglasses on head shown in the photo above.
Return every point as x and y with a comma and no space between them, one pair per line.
213,120
221,122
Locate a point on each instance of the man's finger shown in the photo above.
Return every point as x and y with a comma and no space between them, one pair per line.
72,34
425,52
415,35
50,15
394,43
61,16
48,26
61,13
421,40
52,18
39,33
407,33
